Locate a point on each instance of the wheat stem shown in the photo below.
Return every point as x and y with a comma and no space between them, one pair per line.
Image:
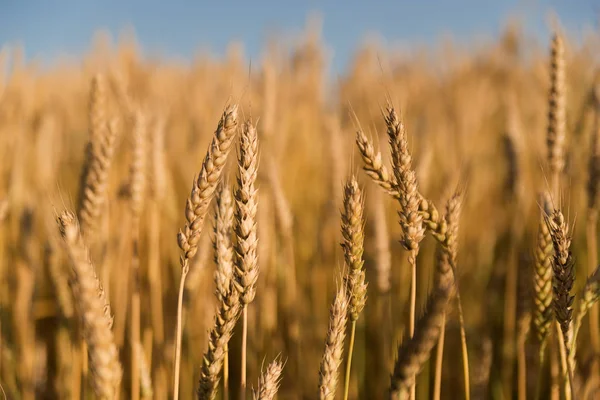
349,360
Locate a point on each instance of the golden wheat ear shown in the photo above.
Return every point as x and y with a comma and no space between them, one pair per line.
97,162
94,310
334,346
269,381
196,208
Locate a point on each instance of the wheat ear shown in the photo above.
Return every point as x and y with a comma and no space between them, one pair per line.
98,158
446,255
334,346
411,221
269,381
414,352
246,246
353,245
593,187
562,284
94,310
588,298
225,320
137,191
145,374
375,169
196,208
555,138
542,280
223,259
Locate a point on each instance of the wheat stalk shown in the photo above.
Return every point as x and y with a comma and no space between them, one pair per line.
411,221
196,208
246,247
137,191
99,154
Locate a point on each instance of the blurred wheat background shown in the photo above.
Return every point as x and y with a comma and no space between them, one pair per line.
99,157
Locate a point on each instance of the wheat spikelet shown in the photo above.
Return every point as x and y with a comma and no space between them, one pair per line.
334,346
414,352
563,272
99,154
542,280
222,241
269,381
374,165
94,310
353,245
246,205
225,320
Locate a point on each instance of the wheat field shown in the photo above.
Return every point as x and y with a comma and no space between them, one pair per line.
423,226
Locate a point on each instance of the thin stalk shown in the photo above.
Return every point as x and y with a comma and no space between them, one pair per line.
84,368
226,373
349,361
510,309
184,273
439,357
565,365
554,374
135,314
413,307
156,305
594,318
76,368
540,375
522,371
463,344
244,345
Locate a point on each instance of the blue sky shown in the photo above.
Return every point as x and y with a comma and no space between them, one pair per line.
50,28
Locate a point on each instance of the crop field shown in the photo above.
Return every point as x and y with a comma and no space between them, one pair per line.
424,225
